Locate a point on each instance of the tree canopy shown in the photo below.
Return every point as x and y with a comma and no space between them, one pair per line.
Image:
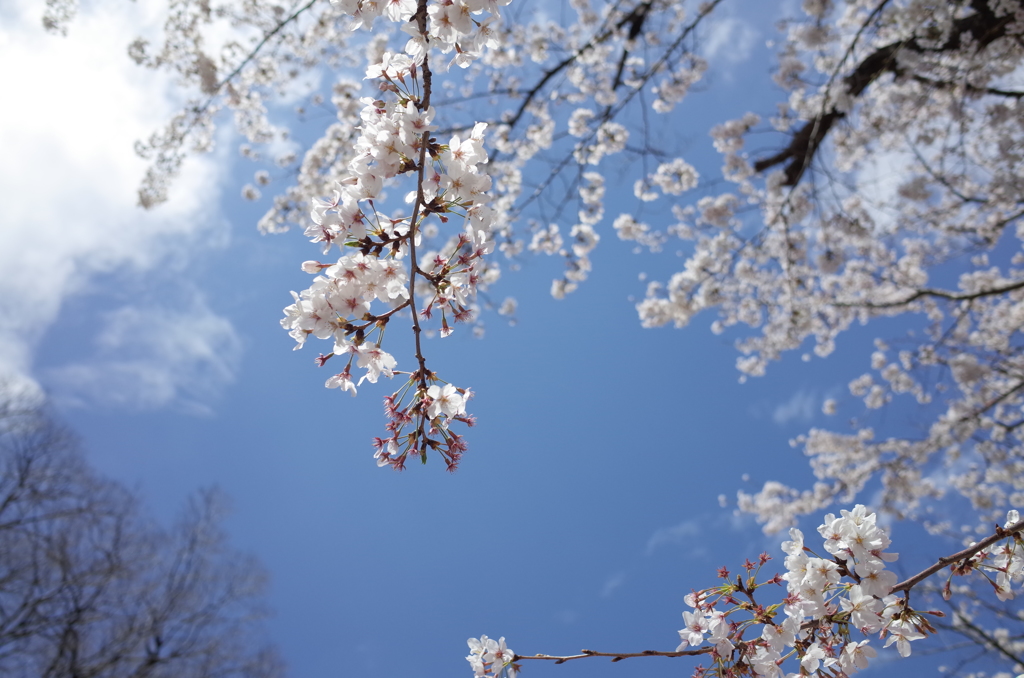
888,184
90,587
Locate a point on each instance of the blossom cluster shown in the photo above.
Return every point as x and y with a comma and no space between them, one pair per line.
834,603
931,93
342,296
379,263
828,600
813,263
822,606
491,658
568,96
1004,559
450,25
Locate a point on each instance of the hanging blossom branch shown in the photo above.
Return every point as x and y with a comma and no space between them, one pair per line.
828,601
396,141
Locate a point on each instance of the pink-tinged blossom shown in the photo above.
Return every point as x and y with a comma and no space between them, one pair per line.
812,657
780,636
342,381
445,400
696,626
488,657
855,656
875,580
385,454
719,633
863,608
468,152
902,632
822,573
765,662
375,361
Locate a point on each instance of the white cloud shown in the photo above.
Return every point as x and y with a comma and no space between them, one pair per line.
878,179
74,107
567,617
730,40
801,407
613,582
148,357
686,531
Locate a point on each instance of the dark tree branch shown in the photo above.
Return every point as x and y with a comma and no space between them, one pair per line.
941,294
978,635
635,20
983,26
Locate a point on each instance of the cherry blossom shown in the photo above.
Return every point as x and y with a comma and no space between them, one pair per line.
827,620
789,243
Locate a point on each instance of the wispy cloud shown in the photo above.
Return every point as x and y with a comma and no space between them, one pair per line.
613,582
69,218
567,617
150,357
730,40
686,531
802,406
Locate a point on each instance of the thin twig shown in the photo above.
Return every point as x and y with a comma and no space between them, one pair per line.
255,50
986,638
615,656
970,551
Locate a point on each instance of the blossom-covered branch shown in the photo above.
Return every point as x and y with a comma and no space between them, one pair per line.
830,603
396,140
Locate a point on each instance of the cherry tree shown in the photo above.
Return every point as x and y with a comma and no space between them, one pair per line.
482,133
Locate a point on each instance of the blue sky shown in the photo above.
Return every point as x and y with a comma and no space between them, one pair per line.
588,503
